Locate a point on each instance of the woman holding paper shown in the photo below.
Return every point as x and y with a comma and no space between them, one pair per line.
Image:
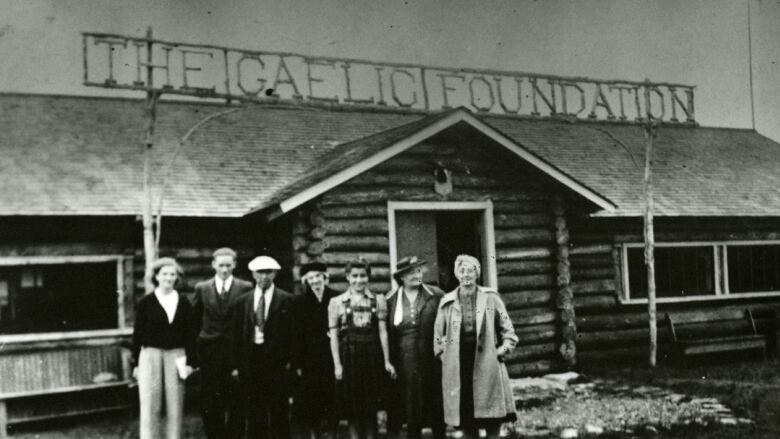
163,349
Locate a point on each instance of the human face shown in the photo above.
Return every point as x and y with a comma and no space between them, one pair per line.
358,279
223,266
413,278
467,275
316,281
264,278
166,277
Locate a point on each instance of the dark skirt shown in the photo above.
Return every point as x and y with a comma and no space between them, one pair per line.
358,392
468,351
317,384
410,382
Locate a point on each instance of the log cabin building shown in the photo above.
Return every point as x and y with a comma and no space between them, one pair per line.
552,207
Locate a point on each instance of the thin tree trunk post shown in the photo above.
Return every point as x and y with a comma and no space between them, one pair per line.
564,300
150,255
650,236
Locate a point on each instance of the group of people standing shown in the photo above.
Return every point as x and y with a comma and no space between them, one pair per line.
426,357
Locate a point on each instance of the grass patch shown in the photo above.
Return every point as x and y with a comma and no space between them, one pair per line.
750,389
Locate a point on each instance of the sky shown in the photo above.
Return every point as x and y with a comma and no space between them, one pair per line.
698,42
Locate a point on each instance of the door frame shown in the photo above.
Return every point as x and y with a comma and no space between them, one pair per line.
489,270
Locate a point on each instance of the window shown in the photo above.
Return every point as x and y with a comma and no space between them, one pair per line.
696,271
753,268
679,272
58,297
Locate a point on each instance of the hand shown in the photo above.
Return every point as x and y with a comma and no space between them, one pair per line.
234,374
500,352
390,369
299,372
338,371
135,373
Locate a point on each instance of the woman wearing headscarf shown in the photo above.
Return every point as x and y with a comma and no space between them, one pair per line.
472,334
314,361
163,349
411,313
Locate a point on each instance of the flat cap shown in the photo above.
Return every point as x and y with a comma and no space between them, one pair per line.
264,263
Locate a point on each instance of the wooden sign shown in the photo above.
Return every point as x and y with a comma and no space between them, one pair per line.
121,62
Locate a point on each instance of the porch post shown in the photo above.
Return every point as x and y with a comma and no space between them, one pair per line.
564,298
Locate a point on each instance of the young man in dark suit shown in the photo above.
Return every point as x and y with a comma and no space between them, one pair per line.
212,301
262,351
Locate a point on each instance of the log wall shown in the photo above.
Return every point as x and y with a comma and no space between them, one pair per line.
609,330
351,221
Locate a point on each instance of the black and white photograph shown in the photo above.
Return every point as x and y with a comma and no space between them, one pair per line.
403,219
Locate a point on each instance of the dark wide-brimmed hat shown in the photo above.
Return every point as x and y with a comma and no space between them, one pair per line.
405,265
313,266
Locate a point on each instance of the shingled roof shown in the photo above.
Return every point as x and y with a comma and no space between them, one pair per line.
83,156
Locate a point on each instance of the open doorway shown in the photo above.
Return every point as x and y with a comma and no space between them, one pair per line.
456,233
438,233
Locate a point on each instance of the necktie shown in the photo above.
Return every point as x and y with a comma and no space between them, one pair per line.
260,311
224,289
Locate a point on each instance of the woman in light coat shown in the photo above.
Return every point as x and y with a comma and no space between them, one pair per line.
472,334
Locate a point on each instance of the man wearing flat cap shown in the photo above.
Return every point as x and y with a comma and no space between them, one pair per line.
262,351
314,361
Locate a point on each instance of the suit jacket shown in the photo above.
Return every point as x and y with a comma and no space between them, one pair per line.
212,312
277,332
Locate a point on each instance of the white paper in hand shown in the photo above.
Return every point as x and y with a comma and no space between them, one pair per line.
182,368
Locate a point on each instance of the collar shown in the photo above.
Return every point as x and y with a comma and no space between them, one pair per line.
423,287
453,295
346,294
218,280
269,291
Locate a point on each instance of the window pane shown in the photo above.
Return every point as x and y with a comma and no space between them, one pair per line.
679,272
753,268
54,298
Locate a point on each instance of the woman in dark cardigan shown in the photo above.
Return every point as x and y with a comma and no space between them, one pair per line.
163,350
314,361
416,394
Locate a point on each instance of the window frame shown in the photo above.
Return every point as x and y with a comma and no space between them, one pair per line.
720,271
121,329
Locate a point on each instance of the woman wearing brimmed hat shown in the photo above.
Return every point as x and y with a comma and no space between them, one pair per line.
472,334
313,357
411,313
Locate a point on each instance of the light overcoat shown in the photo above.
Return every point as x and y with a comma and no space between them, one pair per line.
492,391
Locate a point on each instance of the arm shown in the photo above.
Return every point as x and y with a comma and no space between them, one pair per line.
197,310
439,332
333,333
504,325
235,335
192,335
385,347
298,333
139,327
381,312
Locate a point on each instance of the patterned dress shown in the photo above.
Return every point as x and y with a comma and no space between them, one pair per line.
358,392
